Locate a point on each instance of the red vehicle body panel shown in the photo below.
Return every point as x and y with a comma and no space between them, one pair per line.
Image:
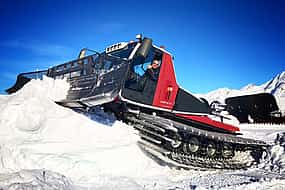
167,87
206,120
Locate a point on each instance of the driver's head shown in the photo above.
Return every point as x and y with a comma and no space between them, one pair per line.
155,64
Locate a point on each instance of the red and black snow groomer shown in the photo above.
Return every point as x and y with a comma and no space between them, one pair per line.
136,81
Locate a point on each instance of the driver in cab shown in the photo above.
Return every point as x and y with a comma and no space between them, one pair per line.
153,69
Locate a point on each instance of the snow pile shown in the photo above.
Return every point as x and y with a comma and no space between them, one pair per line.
19,112
274,135
37,133
276,157
47,89
34,179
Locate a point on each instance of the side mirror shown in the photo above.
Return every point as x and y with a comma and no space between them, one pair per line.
144,48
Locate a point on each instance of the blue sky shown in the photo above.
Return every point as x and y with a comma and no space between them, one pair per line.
215,43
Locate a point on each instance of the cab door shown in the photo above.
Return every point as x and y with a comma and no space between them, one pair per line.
139,86
167,87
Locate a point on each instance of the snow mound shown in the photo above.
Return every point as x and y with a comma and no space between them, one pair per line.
275,161
37,133
47,88
19,110
273,135
34,179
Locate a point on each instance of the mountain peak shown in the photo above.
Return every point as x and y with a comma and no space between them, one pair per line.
248,87
282,75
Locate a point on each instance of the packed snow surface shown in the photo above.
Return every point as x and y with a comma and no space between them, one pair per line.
46,146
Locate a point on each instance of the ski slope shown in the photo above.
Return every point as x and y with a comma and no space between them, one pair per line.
46,146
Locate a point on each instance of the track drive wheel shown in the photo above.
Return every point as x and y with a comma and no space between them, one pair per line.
176,142
211,149
193,145
227,150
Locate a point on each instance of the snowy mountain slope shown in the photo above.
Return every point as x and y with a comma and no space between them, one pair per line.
275,86
46,146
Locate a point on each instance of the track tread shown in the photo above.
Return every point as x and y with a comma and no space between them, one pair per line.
186,160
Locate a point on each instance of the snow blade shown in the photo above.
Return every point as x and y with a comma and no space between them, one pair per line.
24,78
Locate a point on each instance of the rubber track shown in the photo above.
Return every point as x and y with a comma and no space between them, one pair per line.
185,160
200,132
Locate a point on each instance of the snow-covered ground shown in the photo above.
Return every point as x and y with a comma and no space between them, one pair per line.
46,146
